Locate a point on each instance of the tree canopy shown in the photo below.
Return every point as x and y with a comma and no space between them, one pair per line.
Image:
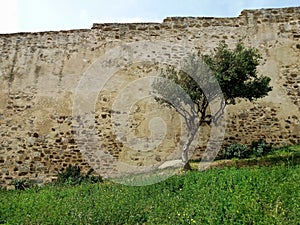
236,72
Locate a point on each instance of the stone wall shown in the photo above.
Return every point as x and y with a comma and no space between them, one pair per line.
40,72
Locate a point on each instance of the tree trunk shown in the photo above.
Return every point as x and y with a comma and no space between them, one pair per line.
185,154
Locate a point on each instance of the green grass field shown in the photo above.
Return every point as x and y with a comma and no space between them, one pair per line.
248,195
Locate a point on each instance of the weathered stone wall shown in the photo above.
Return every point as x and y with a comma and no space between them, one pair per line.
40,72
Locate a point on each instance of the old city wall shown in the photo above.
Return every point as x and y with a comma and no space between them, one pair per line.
40,72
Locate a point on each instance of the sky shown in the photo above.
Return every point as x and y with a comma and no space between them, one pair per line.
46,15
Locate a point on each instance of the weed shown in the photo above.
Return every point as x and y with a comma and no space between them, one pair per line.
72,175
260,148
22,184
240,151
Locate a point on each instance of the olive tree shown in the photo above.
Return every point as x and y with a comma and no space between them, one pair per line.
232,71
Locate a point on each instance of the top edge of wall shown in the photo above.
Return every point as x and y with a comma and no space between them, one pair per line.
268,14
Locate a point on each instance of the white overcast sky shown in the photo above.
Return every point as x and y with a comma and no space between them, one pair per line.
44,15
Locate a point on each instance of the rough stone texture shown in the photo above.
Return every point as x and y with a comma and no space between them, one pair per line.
40,72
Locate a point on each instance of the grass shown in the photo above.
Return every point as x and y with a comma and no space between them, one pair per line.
230,195
295,148
282,156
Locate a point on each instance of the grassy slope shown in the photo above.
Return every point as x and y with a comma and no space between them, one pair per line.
265,195
256,195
